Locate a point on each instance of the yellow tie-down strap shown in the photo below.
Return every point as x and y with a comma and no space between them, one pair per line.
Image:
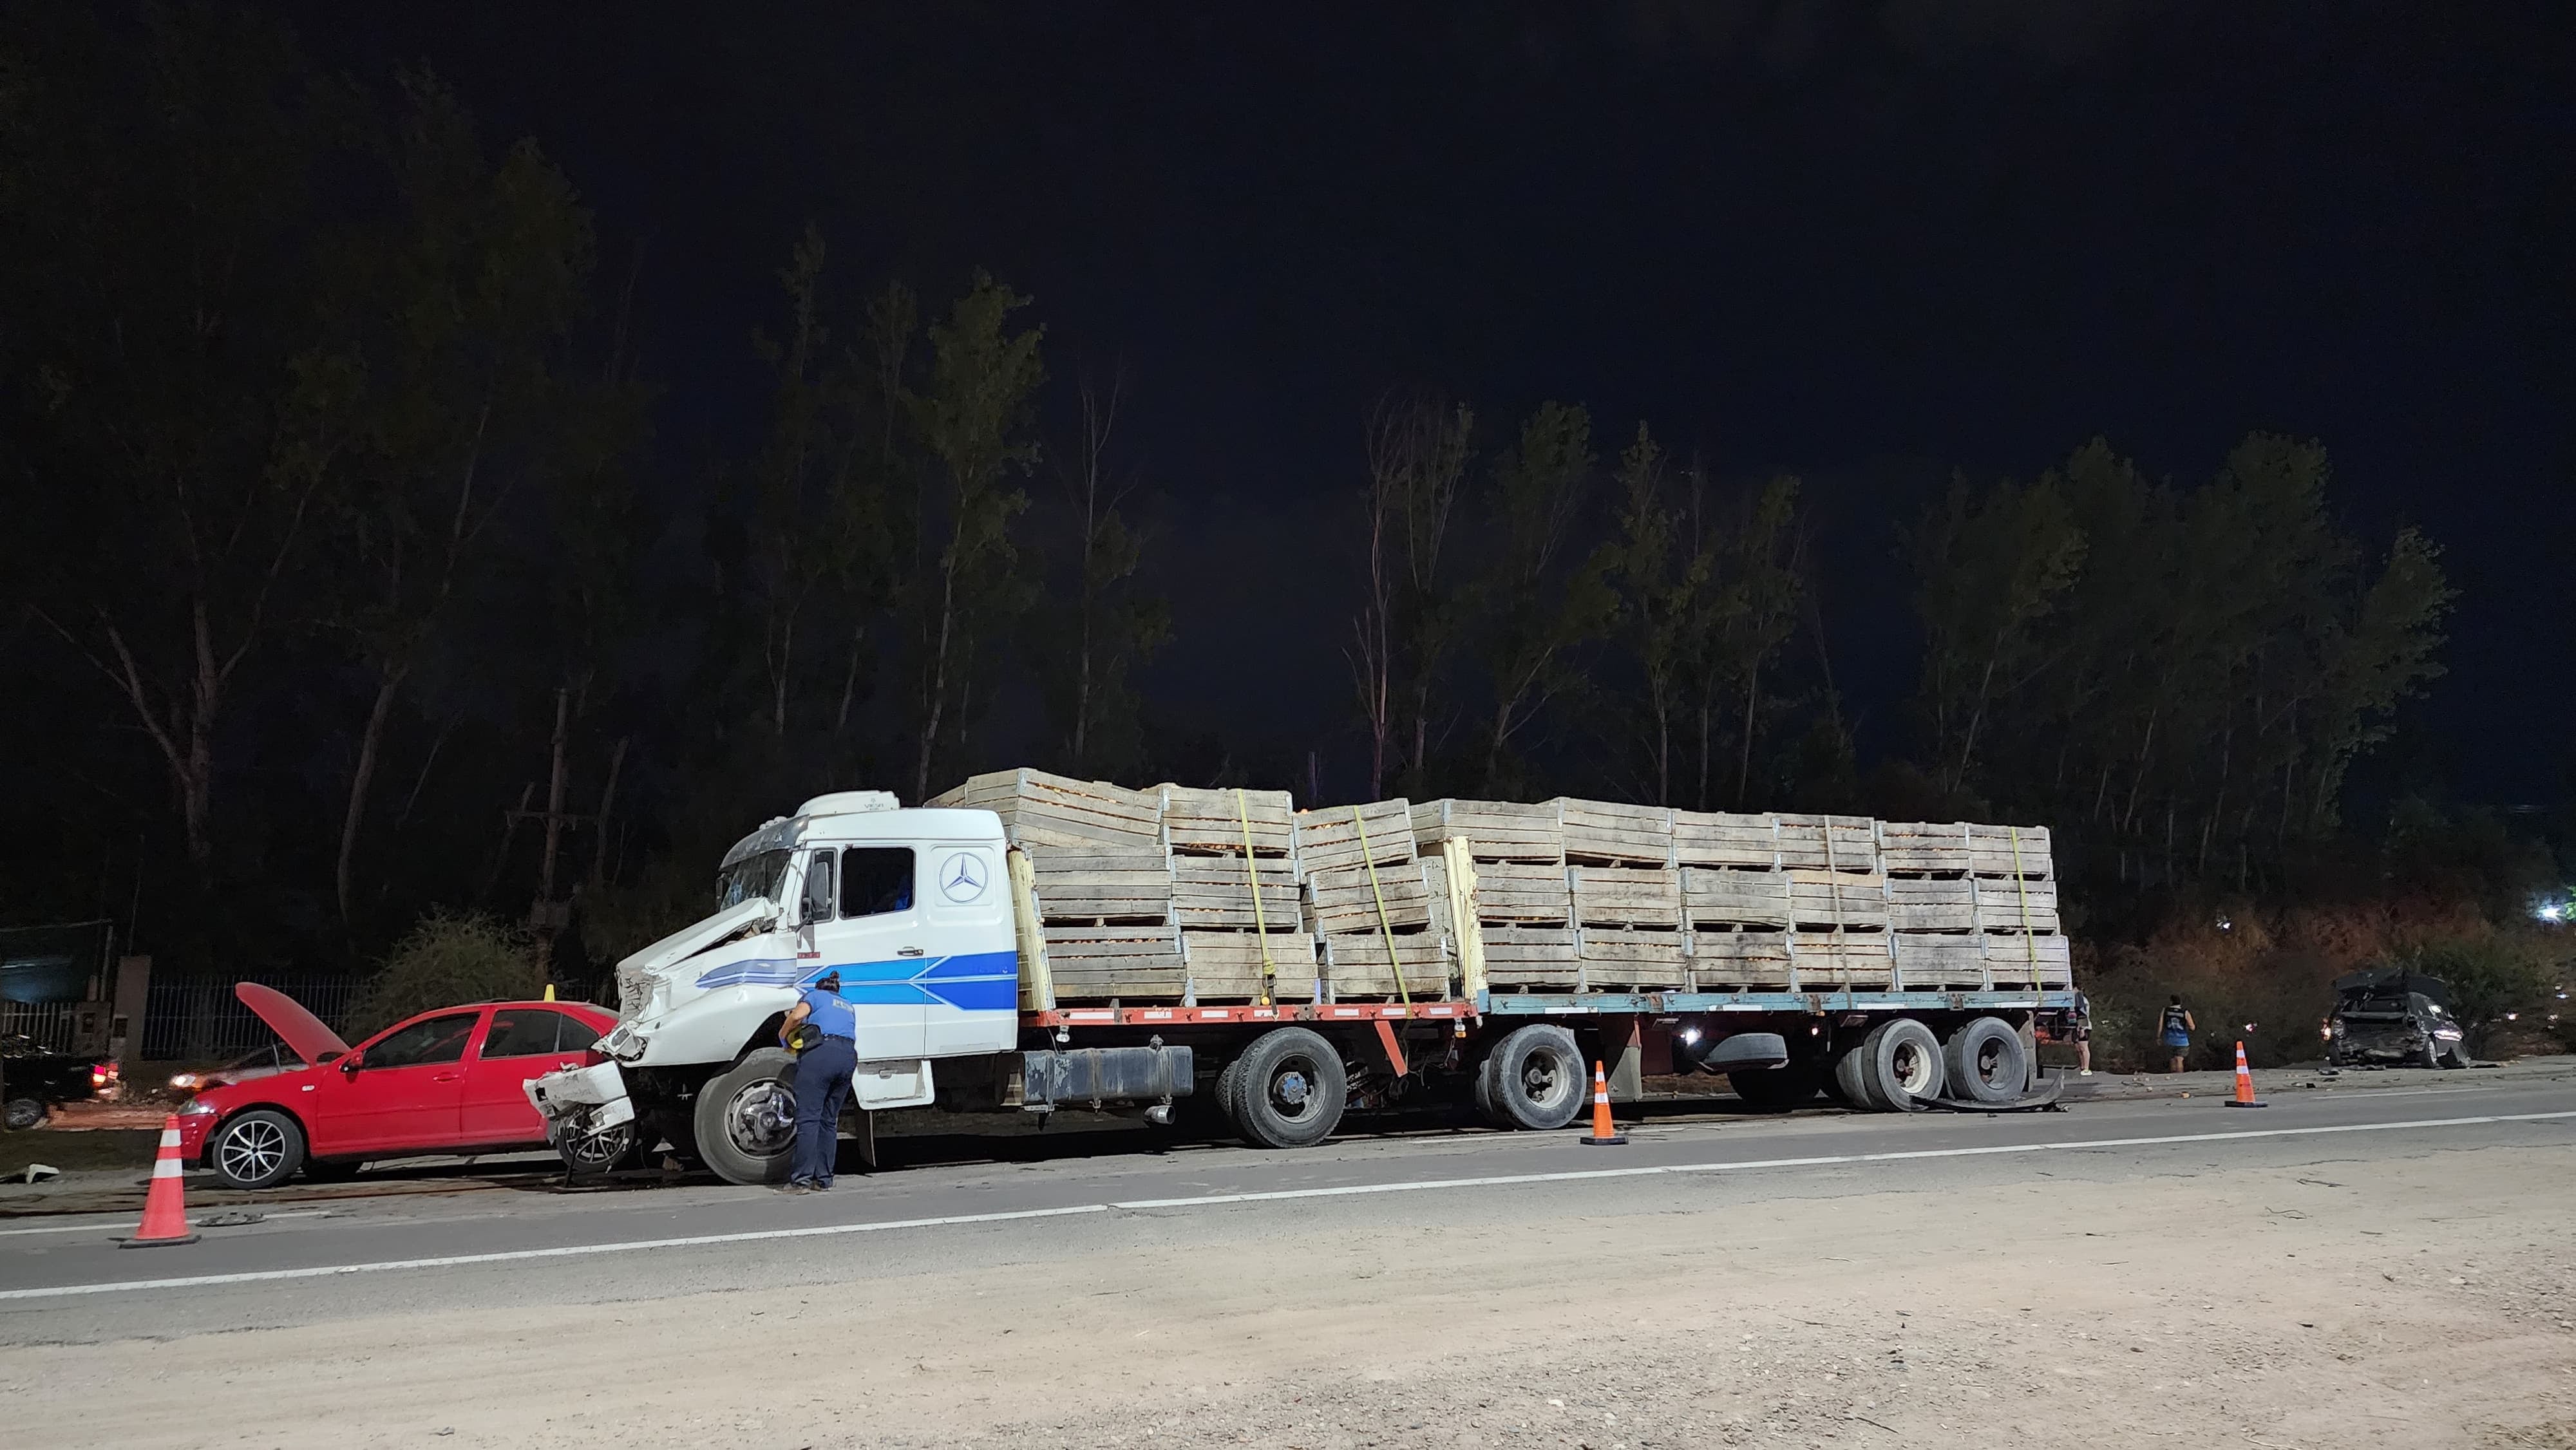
1252,873
1385,927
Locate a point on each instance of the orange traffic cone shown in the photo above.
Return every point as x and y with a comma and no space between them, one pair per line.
2245,1084
165,1211
1604,1131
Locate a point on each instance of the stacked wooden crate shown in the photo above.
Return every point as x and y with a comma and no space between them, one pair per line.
1782,902
1381,913
1524,902
1972,907
1234,862
1101,877
1627,895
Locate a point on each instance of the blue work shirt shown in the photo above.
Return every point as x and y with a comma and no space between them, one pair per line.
827,1011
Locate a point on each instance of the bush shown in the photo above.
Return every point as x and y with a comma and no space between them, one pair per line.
445,960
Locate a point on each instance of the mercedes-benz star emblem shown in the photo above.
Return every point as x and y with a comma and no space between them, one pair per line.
962,879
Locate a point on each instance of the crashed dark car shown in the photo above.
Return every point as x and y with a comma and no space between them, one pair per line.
2391,1015
34,1078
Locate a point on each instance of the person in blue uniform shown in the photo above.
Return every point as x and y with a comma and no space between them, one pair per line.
2176,1029
822,1081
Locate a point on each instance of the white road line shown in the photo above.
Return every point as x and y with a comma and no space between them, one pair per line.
101,1225
1213,1199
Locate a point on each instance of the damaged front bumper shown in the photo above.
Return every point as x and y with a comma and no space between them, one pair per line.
582,1100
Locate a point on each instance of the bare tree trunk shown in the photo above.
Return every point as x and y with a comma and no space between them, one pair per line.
1752,707
850,679
938,701
361,777
554,840
599,823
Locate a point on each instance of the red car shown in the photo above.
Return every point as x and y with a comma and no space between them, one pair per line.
448,1081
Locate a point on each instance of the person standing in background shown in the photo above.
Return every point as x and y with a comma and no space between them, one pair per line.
2177,1029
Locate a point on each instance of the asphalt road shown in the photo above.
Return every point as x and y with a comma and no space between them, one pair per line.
69,1282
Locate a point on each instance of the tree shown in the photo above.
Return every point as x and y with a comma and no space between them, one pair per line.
1538,600
1088,651
1991,566
187,414
1752,605
1660,593
1418,455
974,420
456,303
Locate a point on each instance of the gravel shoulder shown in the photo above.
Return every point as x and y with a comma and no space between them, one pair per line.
2363,1296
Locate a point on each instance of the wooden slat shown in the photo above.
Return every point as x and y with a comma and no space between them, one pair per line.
1739,959
1202,821
1493,830
1723,838
2008,905
1627,896
1226,966
1215,892
1613,831
1940,963
1839,843
1339,898
1991,850
2010,961
1750,898
1923,847
1133,964
1641,960
1327,838
1518,891
1828,960
1530,956
1932,904
1355,965
1842,900
1077,885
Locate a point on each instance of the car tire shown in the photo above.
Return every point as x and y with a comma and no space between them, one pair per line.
261,1148
1538,1080
1896,1068
738,1123
1984,1062
607,1151
2429,1055
21,1114
1778,1089
2455,1056
1289,1089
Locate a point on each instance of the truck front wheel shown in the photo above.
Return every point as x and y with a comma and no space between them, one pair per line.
1289,1090
746,1119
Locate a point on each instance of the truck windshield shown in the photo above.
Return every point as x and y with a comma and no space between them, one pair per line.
749,877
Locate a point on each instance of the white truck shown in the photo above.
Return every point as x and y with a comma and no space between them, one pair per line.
927,917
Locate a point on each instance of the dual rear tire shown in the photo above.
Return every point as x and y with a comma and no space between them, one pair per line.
1900,1066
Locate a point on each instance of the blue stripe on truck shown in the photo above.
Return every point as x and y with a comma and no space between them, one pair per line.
969,982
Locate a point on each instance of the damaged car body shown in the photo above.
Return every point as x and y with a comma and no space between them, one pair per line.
2392,1015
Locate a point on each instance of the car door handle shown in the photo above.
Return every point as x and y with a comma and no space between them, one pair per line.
908,952
447,1077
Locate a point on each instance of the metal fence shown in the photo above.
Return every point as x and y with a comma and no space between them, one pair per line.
200,1021
50,1024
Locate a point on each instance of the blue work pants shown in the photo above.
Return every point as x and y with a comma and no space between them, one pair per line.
822,1086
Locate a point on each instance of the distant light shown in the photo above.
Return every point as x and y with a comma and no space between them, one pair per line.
2513,1016
2249,1026
2554,911
2225,925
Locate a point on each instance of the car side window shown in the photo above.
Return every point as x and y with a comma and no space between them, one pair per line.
876,880
573,1034
523,1032
432,1039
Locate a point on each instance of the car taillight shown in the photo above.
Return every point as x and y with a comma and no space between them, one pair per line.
101,1075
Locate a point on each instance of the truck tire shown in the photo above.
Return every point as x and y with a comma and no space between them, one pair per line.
1538,1079
1894,1069
1778,1089
746,1119
1289,1089
23,1113
1985,1062
258,1149
1480,1090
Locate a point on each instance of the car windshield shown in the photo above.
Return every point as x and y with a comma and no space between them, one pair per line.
750,877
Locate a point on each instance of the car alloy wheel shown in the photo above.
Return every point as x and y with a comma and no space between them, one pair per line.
251,1151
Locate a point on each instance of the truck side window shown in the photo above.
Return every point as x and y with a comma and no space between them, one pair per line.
818,886
876,880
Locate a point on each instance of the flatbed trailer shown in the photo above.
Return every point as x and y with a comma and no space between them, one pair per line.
930,919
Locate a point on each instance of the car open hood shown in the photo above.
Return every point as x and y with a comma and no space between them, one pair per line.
304,1033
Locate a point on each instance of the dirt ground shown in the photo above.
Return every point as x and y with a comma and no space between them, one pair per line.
2419,1302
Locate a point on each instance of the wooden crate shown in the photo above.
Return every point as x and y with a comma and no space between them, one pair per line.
1931,903
1078,886
1211,893
1740,898
1739,960
1226,966
1723,838
1523,891
1829,843
1214,822
1609,831
1830,960
1128,963
1330,838
1955,963
1531,957
1493,830
1627,896
1040,810
2017,961
2019,906
2009,850
1923,848
1356,970
1838,900
1628,959
1340,899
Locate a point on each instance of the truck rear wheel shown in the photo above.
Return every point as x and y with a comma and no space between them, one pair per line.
746,1119
1536,1078
1894,1069
1985,1062
1289,1089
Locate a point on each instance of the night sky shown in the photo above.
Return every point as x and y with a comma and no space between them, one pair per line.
1866,243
